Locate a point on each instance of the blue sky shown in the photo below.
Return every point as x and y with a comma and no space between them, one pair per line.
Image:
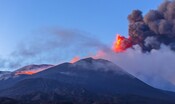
20,19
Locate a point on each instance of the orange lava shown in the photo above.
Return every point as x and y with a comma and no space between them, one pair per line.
26,72
117,44
75,59
121,43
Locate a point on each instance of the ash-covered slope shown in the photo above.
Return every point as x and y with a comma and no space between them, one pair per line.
8,79
26,70
4,74
86,81
32,69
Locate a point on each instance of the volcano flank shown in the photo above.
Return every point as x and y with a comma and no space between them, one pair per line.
85,82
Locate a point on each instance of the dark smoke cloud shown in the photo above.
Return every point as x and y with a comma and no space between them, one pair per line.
158,24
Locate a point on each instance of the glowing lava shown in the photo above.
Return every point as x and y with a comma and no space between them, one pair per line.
26,72
75,59
121,43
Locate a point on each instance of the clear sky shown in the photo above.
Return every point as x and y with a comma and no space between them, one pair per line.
20,19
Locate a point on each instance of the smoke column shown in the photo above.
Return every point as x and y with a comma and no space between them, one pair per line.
155,28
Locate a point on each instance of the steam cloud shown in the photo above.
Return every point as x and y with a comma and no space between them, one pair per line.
158,24
151,67
59,44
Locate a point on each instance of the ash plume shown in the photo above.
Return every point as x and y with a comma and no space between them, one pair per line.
158,24
148,52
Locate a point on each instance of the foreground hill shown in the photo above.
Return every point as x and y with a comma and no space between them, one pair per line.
88,81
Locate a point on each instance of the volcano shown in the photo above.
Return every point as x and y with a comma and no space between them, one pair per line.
87,81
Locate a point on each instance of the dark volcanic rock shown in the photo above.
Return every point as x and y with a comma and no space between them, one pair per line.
88,81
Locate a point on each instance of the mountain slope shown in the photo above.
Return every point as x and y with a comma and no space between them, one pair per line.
8,79
4,75
88,80
32,69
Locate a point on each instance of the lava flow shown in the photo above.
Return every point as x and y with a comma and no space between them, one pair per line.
75,59
27,72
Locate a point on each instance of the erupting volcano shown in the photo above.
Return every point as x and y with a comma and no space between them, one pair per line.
69,52
121,43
